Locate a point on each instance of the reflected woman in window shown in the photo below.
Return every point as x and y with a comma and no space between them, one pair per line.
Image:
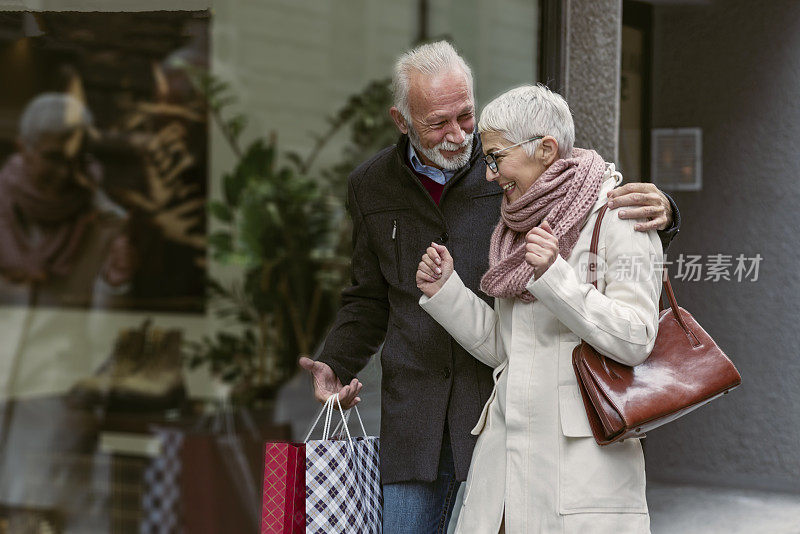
61,239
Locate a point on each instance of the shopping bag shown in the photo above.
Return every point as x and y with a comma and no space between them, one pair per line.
283,509
161,495
221,480
212,492
343,487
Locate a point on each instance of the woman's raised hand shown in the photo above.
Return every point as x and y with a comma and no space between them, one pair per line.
434,269
541,248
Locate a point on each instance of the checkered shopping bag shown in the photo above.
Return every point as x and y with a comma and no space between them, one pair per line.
343,487
161,510
283,509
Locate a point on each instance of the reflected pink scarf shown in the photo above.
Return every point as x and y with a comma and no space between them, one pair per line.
63,218
563,195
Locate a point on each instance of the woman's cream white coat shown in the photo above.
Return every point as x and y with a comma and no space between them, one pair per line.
535,456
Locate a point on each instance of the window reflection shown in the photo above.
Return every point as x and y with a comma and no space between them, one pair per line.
104,188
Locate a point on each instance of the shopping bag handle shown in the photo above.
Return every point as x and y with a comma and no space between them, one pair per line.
316,421
347,418
328,409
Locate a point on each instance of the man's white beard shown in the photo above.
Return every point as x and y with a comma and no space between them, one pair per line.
433,154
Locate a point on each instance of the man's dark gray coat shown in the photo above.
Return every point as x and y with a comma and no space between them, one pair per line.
427,377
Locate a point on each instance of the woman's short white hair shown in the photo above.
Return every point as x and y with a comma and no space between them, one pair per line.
430,59
52,113
528,111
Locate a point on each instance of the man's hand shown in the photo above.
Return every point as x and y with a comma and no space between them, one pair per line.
647,203
326,383
541,248
434,269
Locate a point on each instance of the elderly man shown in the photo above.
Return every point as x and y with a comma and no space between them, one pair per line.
428,187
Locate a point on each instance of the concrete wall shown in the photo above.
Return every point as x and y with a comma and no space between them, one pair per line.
593,72
733,69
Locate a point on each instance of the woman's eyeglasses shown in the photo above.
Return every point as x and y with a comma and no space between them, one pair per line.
491,160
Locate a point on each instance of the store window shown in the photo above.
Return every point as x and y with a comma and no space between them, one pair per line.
498,39
156,168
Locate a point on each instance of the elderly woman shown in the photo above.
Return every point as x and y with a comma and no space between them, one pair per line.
536,467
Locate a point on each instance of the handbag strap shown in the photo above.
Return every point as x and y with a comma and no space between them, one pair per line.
591,276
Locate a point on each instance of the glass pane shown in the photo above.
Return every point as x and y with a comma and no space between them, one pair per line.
174,237
498,38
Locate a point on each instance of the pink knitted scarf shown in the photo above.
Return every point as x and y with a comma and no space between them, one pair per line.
563,195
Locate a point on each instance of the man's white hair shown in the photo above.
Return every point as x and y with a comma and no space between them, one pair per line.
528,111
52,113
429,59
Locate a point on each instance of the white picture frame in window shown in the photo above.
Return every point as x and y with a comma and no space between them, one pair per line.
677,159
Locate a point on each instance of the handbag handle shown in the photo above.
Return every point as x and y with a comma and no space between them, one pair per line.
591,277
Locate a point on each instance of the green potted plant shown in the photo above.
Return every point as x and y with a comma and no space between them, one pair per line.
282,222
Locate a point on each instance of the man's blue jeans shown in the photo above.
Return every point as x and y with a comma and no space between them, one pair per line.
422,507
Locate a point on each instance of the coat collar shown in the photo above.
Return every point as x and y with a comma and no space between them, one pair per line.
611,179
477,152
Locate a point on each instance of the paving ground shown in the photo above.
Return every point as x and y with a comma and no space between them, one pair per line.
701,510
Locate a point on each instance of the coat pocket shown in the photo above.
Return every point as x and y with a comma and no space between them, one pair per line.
482,455
566,344
574,421
390,234
470,482
592,478
476,431
485,412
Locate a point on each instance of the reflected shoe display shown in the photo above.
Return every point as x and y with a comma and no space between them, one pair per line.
157,383
124,359
28,521
143,373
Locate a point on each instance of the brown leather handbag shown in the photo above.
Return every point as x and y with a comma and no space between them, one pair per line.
685,370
